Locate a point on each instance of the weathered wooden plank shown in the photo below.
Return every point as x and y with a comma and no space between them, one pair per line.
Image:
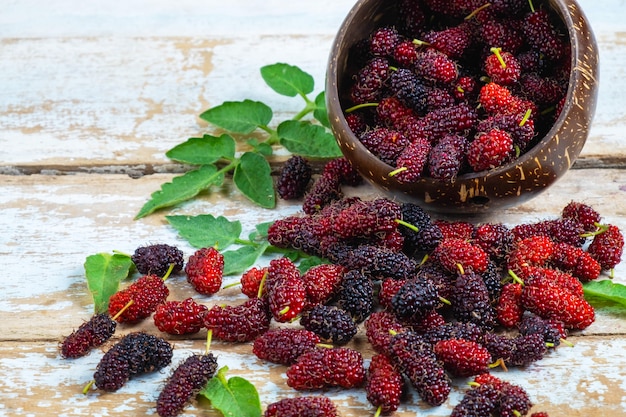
50,224
122,87
583,380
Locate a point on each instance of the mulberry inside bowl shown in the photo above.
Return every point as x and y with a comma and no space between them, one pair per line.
507,185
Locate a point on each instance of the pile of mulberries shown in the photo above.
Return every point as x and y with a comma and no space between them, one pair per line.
434,295
468,89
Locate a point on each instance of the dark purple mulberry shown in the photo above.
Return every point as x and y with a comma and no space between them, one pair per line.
386,144
417,361
356,295
136,353
471,301
331,323
454,330
370,81
409,89
156,259
90,334
344,170
379,263
189,377
527,349
480,401
294,178
415,299
532,324
446,158
324,191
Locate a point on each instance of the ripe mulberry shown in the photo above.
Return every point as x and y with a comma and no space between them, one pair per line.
356,295
90,334
205,270
378,328
325,190
384,384
156,259
189,377
285,290
416,360
294,178
238,323
415,299
322,282
136,353
146,294
330,323
471,302
179,317
463,358
607,247
306,406
327,367
379,263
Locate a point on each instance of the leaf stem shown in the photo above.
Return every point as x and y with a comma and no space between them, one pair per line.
308,108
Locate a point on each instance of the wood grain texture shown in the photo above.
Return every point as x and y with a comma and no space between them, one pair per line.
92,95
51,223
120,87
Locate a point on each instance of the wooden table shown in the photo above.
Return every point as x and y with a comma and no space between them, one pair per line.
93,94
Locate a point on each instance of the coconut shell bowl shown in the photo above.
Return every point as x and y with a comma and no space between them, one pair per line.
551,53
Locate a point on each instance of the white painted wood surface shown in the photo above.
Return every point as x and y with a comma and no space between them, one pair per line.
108,88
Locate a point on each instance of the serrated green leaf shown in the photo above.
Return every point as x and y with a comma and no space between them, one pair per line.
321,113
239,116
182,188
287,80
253,177
203,151
206,230
309,140
605,290
104,272
239,260
235,397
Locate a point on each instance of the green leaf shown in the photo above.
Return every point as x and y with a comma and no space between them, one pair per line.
203,151
321,113
261,231
206,230
235,397
182,188
605,290
309,140
240,260
287,80
263,148
309,262
253,177
239,116
104,272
